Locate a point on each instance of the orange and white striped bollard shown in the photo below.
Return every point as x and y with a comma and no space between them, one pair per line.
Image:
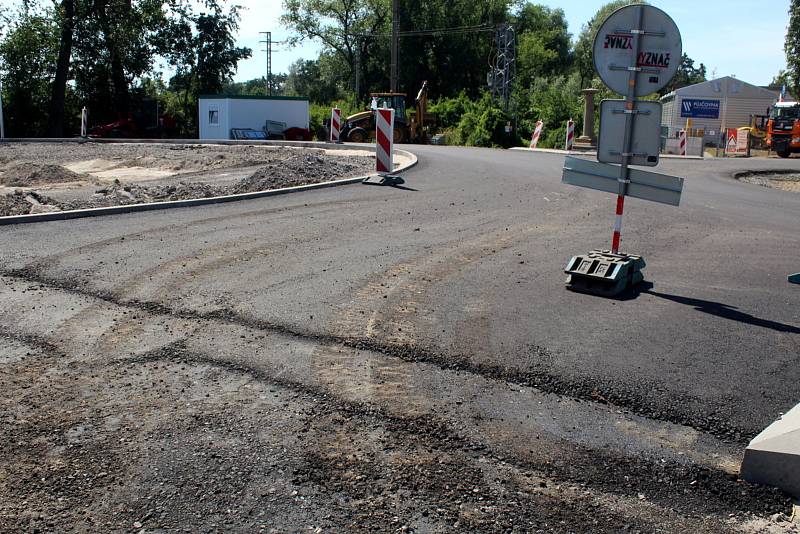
682,138
537,133
384,141
570,135
336,124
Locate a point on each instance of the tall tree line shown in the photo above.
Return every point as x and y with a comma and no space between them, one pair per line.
58,55
355,39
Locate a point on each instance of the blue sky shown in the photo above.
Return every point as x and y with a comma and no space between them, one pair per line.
739,37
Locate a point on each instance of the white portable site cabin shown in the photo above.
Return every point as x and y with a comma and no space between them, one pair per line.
219,114
713,106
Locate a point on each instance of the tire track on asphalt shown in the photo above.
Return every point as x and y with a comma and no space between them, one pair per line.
538,378
587,468
717,493
433,467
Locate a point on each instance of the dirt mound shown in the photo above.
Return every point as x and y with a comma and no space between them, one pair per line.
26,174
303,169
121,194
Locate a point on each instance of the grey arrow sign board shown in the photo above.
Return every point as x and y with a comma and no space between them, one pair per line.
645,185
646,144
659,52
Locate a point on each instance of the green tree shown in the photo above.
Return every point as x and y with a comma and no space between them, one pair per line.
780,80
687,74
353,31
115,43
453,60
66,16
792,47
206,61
215,53
306,78
544,43
584,46
29,54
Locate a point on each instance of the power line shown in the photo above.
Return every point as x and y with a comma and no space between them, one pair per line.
437,31
269,50
449,31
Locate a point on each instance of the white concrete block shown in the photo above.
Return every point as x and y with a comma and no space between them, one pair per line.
773,457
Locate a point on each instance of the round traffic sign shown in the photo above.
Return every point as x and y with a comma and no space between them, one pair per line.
659,55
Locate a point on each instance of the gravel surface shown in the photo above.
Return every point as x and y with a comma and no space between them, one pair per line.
193,168
149,155
784,181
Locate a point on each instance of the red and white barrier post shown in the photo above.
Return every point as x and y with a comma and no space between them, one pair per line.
537,133
336,124
618,225
570,135
84,122
384,141
384,148
682,137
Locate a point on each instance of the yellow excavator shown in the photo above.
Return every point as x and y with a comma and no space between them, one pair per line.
360,127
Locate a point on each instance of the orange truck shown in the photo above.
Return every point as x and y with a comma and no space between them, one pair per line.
783,128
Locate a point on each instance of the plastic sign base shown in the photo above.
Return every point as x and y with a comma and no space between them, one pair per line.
600,272
794,278
385,179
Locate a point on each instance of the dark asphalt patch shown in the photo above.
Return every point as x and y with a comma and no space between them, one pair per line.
700,489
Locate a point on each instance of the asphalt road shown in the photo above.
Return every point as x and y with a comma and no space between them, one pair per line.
424,336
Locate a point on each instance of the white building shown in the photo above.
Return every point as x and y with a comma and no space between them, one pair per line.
714,106
219,114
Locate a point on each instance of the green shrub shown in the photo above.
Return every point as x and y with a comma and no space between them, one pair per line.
318,113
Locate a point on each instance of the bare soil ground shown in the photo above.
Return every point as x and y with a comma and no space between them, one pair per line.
43,177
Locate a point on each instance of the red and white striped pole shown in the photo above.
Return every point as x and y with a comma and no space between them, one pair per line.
537,133
618,225
384,141
682,137
336,124
84,122
570,135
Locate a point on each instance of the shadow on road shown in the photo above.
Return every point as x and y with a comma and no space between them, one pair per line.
723,310
395,186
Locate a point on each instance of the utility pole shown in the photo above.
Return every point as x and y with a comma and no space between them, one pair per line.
501,78
358,71
2,126
268,50
395,43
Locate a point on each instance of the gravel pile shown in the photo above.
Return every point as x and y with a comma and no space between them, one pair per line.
301,170
14,204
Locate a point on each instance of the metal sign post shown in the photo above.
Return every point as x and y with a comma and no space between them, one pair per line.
637,51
